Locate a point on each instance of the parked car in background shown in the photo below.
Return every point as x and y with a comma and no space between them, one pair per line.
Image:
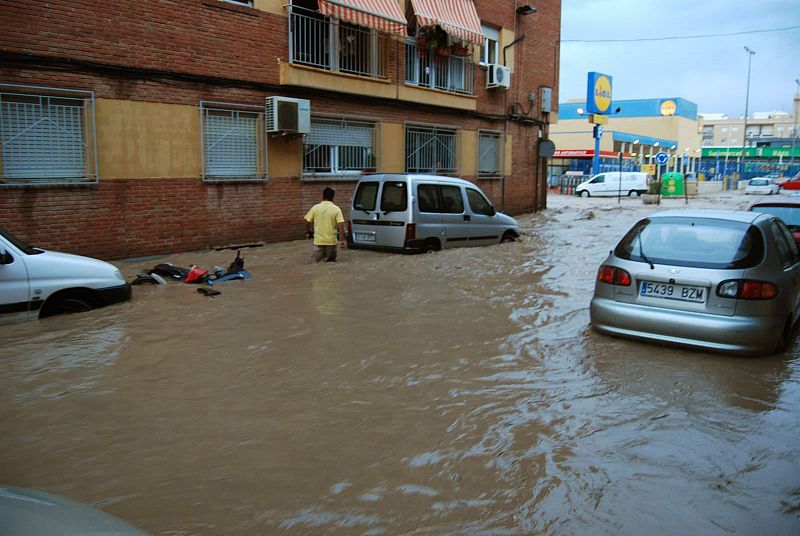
613,183
791,184
761,186
27,512
725,281
424,213
36,282
787,209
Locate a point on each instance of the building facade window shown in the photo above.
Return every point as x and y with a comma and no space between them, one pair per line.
425,67
248,3
340,146
490,51
490,154
47,138
234,144
327,43
431,150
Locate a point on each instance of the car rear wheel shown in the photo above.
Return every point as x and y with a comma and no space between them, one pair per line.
633,193
508,237
585,193
431,246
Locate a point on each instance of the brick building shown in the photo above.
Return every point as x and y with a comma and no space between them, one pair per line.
132,128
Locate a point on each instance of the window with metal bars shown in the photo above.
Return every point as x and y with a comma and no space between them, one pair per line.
490,154
233,142
47,139
431,150
339,146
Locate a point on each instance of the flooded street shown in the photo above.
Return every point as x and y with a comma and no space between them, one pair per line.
460,392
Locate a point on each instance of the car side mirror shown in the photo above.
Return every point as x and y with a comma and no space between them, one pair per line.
5,257
492,211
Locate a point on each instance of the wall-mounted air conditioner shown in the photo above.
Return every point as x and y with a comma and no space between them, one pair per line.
498,76
288,115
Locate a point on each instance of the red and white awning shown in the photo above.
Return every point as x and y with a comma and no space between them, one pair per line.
456,17
383,15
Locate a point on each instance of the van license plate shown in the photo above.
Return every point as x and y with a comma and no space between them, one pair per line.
673,292
365,237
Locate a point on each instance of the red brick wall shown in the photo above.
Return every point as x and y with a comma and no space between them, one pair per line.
179,41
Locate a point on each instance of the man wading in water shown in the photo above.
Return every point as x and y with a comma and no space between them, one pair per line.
325,217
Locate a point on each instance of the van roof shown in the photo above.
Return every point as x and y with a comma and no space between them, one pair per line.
418,177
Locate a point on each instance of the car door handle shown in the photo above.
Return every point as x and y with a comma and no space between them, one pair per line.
467,217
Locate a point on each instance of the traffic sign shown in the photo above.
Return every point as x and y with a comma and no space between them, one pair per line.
662,158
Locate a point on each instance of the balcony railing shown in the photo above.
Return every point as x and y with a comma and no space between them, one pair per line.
326,43
426,68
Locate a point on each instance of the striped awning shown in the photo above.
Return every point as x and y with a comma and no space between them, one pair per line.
456,17
383,15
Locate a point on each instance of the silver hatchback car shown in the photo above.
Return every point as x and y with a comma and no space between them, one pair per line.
725,281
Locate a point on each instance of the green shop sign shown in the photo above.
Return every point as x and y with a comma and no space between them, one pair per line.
750,152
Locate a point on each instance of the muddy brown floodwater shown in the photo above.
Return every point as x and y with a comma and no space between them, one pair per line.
460,392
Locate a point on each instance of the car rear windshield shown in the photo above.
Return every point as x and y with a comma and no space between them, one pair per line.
759,182
365,197
789,215
694,242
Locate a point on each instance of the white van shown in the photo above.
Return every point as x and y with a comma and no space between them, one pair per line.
424,213
35,282
613,183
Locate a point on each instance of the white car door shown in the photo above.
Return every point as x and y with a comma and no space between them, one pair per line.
15,293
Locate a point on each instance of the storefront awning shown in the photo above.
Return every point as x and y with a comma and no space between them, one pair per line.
456,17
383,15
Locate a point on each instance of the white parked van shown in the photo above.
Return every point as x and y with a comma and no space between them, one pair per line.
35,282
424,213
613,183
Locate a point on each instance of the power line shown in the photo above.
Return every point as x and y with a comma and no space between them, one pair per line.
673,38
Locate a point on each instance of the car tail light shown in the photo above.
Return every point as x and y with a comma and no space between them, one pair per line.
747,289
614,276
411,231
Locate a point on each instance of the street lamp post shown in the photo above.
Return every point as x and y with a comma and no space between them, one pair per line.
750,54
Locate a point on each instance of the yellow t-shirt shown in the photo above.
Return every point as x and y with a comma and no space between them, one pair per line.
325,216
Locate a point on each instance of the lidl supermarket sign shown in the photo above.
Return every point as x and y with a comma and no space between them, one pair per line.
598,93
668,107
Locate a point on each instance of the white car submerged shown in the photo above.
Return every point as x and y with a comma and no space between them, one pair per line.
38,283
761,186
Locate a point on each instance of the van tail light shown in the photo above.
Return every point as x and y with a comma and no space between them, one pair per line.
614,276
411,231
747,289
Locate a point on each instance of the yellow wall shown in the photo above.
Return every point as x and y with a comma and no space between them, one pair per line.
284,156
147,140
391,152
271,6
436,97
469,153
506,38
297,75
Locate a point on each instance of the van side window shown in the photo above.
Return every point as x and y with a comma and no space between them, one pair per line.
452,202
394,198
478,203
428,198
599,179
366,195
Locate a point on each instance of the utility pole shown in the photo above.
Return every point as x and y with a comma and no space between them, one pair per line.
750,54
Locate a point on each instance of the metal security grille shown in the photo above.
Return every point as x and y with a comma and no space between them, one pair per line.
449,73
489,154
339,146
431,150
232,144
328,43
45,138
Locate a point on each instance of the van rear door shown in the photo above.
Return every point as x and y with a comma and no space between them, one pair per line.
390,227
364,213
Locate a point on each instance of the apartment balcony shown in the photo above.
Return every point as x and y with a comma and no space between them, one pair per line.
337,46
426,67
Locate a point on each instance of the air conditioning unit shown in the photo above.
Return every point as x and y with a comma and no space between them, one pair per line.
498,76
288,115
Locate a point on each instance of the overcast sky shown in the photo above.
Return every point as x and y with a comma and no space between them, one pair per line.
711,72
